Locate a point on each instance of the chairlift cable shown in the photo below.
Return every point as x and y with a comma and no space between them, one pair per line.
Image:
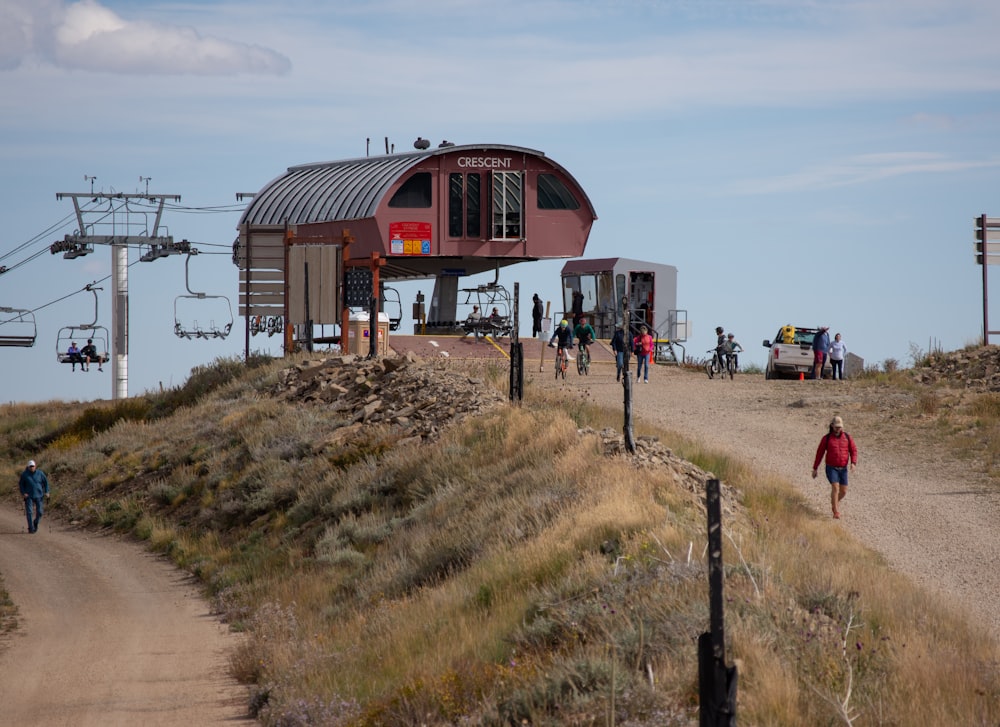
37,238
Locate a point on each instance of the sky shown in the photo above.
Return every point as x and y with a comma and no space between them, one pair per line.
814,162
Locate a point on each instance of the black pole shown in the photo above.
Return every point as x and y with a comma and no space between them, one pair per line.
716,682
516,383
627,429
373,327
986,315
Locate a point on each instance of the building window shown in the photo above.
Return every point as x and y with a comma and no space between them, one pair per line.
473,206
554,195
456,204
507,205
415,192
464,205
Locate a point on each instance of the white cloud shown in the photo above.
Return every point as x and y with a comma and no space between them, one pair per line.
860,169
88,36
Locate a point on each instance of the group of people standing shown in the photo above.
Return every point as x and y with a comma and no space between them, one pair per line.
823,349
642,345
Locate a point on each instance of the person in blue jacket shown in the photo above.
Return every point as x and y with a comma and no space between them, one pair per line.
820,346
34,487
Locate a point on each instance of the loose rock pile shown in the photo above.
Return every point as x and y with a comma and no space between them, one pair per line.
650,453
973,368
418,396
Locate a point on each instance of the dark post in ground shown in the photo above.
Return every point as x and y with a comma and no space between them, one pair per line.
516,387
627,429
716,681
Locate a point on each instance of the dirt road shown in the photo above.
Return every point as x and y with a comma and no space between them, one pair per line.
931,516
108,635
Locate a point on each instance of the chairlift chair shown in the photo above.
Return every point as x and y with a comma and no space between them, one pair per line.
194,330
390,299
81,333
489,296
17,327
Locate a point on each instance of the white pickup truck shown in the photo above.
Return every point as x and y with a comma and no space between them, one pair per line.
791,353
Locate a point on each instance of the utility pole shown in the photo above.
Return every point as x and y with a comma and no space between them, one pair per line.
126,226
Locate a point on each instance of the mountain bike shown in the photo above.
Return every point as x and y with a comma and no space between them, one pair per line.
713,366
562,362
582,360
731,365
716,366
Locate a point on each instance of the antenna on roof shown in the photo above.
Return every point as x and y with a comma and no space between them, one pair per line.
387,145
368,146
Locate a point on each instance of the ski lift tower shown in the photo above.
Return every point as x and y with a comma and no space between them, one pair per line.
116,215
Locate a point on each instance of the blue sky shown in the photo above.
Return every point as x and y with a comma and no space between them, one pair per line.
818,163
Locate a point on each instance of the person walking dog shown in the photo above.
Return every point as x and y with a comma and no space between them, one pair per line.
34,487
841,453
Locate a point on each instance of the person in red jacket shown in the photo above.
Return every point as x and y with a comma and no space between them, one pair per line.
643,347
841,454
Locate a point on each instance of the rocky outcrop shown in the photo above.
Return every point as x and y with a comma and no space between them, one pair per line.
404,391
974,368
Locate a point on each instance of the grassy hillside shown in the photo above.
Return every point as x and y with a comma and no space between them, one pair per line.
398,555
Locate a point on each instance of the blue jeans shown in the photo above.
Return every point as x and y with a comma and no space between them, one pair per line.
620,363
640,362
37,502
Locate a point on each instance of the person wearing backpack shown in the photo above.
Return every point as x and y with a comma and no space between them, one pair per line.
841,454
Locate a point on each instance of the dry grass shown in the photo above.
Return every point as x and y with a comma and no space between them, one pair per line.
509,572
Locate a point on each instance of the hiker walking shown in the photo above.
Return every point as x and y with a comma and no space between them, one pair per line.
34,487
841,454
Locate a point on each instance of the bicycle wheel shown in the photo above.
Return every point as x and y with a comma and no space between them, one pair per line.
710,369
586,364
731,366
579,362
564,366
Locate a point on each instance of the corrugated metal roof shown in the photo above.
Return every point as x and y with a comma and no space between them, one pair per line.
348,189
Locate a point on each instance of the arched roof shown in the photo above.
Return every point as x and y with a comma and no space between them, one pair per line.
348,189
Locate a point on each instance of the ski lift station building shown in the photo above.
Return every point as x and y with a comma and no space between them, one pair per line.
600,284
442,213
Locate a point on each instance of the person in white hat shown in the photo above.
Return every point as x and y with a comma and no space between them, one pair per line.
841,453
34,487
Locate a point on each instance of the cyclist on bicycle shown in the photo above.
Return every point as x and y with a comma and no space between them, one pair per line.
565,337
584,334
733,346
721,348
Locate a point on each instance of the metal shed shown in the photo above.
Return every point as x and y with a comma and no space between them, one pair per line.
600,284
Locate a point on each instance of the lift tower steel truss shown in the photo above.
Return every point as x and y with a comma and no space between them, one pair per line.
124,226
